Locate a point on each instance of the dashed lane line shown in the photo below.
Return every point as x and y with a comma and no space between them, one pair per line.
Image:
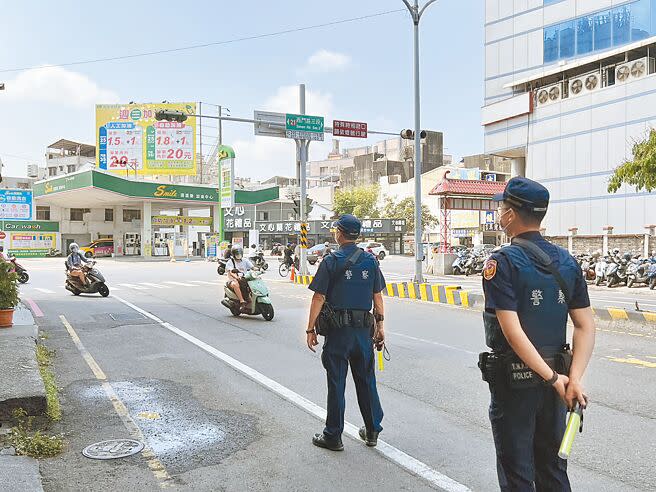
45,291
155,286
393,454
180,284
133,286
154,464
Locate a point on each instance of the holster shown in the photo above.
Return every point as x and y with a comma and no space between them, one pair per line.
508,369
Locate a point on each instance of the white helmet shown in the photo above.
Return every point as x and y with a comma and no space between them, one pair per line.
74,248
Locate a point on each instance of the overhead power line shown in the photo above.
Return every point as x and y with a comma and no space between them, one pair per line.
205,45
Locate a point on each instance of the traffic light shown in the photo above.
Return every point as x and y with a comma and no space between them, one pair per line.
410,135
170,115
308,206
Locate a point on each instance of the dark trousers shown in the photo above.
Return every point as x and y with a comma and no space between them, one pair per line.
344,346
528,426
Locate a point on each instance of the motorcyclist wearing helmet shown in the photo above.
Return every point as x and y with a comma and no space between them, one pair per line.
226,253
240,266
289,252
3,256
74,264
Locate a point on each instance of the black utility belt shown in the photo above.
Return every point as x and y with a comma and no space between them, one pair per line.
330,319
506,368
354,317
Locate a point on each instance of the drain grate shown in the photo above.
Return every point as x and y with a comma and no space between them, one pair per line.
112,449
126,316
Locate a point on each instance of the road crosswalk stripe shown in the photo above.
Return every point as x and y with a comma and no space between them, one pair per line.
181,284
133,286
45,291
155,286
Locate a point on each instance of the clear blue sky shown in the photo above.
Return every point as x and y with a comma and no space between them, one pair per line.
360,70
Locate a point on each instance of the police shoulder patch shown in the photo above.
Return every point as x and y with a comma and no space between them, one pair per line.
490,269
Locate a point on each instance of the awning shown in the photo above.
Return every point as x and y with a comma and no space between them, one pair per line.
468,188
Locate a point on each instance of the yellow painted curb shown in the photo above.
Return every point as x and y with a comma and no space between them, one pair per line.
411,291
401,287
423,294
435,289
617,313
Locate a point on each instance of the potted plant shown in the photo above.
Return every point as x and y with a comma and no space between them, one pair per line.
8,293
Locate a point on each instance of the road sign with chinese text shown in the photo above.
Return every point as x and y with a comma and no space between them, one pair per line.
302,126
355,129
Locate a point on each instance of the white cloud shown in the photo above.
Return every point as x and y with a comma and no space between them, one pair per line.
57,85
327,61
263,157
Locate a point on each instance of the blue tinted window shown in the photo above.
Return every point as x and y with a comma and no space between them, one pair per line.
584,35
567,47
602,31
621,25
551,43
640,19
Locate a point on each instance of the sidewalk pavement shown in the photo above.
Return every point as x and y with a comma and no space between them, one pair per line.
21,386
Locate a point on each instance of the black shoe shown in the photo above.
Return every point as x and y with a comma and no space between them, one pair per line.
370,438
320,440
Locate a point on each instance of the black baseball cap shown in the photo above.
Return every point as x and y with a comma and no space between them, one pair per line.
349,225
525,193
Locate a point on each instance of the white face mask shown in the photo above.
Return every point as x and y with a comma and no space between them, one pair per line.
499,216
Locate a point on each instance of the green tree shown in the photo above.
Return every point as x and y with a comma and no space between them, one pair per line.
359,201
405,209
639,172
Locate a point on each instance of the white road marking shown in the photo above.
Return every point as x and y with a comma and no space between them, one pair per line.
203,282
45,291
133,286
423,340
155,286
181,284
393,454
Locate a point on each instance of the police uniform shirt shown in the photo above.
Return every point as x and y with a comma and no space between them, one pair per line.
497,279
355,289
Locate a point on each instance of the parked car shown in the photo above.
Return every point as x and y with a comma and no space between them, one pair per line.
316,252
99,247
376,248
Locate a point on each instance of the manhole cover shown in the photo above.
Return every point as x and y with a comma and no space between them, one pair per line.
114,448
126,316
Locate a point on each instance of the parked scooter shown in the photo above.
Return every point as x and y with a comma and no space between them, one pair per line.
258,301
600,270
95,281
616,272
53,253
651,275
637,272
23,276
459,263
221,269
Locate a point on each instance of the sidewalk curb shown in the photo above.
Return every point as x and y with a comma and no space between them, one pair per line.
456,296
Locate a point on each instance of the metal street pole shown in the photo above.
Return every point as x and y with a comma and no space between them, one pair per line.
416,14
303,155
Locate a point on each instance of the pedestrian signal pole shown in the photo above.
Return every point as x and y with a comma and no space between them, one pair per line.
303,146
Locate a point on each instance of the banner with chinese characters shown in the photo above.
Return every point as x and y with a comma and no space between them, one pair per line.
131,141
227,176
171,220
16,204
241,219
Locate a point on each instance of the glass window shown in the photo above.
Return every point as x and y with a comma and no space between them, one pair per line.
567,46
584,35
109,215
77,215
621,25
550,44
130,215
42,213
640,20
602,30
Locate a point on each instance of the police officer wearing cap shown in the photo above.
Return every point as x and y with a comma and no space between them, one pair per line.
349,280
533,376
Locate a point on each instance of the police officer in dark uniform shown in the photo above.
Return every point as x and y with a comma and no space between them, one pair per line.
349,280
533,376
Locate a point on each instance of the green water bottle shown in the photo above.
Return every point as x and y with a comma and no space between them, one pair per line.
574,424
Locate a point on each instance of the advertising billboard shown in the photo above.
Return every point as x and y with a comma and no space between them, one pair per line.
16,204
130,140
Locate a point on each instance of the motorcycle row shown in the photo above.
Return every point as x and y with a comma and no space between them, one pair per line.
470,262
618,269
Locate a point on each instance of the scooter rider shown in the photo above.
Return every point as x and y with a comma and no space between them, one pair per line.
74,263
3,256
240,266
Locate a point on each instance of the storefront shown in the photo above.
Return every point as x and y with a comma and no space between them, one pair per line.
386,231
29,238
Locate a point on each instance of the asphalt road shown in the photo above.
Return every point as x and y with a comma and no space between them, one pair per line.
230,403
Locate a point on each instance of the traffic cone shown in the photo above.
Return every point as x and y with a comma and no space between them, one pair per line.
293,274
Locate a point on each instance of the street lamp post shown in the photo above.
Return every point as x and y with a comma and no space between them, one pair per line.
416,13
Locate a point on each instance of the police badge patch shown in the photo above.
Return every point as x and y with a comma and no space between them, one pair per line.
490,269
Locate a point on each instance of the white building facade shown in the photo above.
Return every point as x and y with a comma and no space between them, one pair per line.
569,86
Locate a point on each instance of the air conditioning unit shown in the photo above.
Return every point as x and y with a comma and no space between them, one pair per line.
584,84
634,70
549,94
32,171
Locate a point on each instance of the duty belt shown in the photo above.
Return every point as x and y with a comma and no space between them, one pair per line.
352,317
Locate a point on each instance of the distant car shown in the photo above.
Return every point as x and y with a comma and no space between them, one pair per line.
316,252
99,247
376,248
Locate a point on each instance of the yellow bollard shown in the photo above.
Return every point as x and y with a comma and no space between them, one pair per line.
381,361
